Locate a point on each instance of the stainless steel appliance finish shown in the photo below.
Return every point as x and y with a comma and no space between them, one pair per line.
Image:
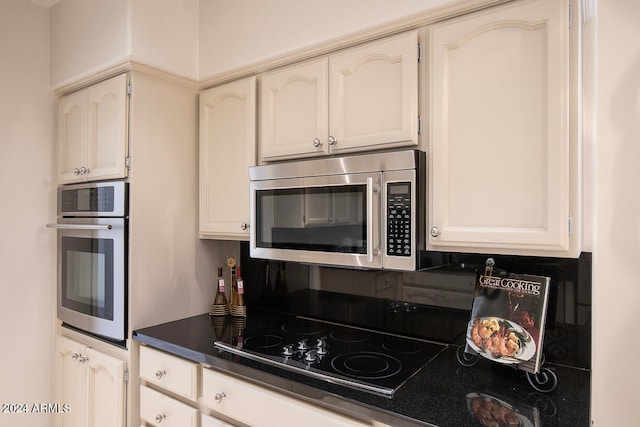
92,253
363,211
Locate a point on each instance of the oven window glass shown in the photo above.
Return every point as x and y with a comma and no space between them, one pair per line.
327,219
87,276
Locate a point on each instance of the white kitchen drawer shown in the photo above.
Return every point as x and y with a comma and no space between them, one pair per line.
169,372
208,421
258,406
160,410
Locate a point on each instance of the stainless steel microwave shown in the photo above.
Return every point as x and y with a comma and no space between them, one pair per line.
360,211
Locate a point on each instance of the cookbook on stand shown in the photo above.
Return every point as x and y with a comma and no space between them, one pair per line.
508,318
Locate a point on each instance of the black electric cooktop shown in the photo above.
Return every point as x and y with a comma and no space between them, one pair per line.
368,360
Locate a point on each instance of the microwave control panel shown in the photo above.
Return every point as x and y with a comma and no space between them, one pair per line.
399,219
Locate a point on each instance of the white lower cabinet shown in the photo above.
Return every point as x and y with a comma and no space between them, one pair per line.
224,401
159,409
258,406
91,384
171,373
164,380
208,421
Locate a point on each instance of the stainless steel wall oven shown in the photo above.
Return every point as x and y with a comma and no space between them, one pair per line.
92,237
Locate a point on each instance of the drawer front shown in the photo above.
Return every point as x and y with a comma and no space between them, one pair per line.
169,372
208,421
258,406
160,410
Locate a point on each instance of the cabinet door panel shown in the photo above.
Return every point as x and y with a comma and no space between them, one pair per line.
106,390
92,132
91,383
232,397
70,382
208,421
500,148
227,150
107,128
374,94
294,111
158,409
72,134
172,373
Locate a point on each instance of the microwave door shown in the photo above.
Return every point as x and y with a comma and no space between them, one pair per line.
330,220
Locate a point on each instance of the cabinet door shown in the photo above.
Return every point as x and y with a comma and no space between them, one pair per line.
169,372
208,421
91,383
92,132
158,409
232,397
70,382
227,150
373,95
72,136
499,130
107,138
105,390
294,114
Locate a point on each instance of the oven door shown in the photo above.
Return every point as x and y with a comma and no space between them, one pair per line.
330,220
92,275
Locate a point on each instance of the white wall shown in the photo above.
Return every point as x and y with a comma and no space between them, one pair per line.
200,38
89,36
27,191
616,288
234,33
164,34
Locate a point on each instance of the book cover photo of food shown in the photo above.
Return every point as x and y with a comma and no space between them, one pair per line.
507,319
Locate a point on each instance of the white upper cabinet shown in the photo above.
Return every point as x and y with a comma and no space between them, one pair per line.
227,150
294,111
373,95
92,132
361,98
502,161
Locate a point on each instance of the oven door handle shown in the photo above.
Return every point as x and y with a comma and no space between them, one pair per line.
80,226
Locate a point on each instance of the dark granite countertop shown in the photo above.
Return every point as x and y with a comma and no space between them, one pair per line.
443,393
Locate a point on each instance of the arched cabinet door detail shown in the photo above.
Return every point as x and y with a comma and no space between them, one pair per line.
227,150
374,95
359,99
92,132
501,170
294,111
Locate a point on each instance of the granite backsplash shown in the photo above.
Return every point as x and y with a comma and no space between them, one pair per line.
433,303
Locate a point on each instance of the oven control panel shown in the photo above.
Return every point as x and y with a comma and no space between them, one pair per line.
399,219
98,199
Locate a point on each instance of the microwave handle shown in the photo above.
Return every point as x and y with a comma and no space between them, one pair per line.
80,226
371,250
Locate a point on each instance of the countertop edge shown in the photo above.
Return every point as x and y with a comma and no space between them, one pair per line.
333,402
